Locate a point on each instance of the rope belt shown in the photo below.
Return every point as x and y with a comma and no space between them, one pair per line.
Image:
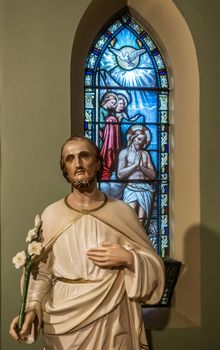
67,280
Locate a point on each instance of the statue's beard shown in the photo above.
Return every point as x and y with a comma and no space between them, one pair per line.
83,184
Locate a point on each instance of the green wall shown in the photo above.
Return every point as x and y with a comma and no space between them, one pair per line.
35,51
37,38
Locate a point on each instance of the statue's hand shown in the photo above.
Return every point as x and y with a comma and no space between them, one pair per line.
111,255
26,328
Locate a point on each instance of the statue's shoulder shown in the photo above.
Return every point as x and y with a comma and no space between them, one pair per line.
121,215
117,204
55,217
54,208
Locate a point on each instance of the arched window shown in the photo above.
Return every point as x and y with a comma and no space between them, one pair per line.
127,116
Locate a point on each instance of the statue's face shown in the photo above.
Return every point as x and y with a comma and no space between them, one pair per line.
80,163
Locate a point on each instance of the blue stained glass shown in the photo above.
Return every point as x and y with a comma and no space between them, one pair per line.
125,18
127,115
164,201
88,79
164,177
164,244
101,42
92,61
88,116
164,162
127,65
114,27
163,102
164,117
159,61
88,134
164,187
163,81
164,141
89,100
133,24
164,223
150,43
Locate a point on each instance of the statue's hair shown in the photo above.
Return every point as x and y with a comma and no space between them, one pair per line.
96,149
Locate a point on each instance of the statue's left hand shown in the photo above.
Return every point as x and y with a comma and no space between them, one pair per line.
111,255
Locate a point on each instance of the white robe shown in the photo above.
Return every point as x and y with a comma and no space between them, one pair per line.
102,311
141,192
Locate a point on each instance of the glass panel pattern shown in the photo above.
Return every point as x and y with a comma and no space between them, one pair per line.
127,116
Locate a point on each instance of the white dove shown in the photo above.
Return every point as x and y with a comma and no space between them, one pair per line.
126,55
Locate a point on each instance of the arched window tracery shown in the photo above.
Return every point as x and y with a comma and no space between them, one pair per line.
127,116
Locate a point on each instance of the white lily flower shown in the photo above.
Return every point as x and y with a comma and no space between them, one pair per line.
34,248
37,221
19,259
32,234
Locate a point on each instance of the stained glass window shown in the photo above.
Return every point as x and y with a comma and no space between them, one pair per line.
127,116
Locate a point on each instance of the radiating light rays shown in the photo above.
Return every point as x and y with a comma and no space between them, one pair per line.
144,103
108,61
142,76
137,77
126,36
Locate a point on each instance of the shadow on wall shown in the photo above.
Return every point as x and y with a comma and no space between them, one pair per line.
210,244
207,336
